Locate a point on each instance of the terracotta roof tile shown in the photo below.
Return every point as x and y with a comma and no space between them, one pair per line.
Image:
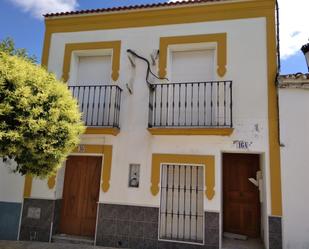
297,80
130,7
296,76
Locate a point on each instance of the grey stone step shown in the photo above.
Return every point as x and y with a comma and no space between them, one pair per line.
71,239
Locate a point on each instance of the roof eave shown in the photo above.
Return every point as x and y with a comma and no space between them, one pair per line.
134,8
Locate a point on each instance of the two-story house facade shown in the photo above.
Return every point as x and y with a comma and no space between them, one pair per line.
181,146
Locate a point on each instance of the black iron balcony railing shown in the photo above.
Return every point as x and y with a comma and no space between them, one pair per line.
194,104
100,104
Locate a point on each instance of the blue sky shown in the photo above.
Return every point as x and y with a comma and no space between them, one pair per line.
20,19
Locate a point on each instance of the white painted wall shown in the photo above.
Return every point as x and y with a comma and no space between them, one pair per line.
11,184
247,67
294,120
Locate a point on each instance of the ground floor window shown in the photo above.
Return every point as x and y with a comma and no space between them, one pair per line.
182,203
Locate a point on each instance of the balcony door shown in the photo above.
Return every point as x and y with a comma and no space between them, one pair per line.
88,77
193,101
94,70
192,65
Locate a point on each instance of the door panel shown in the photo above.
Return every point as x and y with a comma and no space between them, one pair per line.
92,181
241,205
80,195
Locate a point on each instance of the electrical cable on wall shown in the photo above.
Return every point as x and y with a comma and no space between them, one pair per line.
148,67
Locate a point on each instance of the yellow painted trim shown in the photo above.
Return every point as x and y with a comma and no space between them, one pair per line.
273,122
106,131
106,171
51,182
107,151
27,186
199,13
115,46
153,17
207,161
219,39
191,131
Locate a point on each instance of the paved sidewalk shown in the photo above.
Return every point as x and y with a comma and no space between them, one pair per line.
242,244
40,245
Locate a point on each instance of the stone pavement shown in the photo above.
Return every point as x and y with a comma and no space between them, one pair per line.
227,244
242,244
40,245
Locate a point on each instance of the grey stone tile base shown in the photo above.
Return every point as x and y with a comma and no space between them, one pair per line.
43,245
275,232
39,228
136,227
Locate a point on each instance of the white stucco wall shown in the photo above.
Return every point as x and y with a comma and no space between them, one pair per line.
246,67
294,122
11,184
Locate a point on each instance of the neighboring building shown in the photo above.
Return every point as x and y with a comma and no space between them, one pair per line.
172,163
294,121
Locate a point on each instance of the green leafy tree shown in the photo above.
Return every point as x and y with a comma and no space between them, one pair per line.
39,119
8,46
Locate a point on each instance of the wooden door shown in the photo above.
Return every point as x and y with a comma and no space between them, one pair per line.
80,195
241,204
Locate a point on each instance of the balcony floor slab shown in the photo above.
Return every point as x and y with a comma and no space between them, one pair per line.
191,131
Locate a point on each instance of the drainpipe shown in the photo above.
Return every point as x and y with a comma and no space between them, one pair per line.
278,69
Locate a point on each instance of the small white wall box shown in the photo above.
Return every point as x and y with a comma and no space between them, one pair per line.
34,213
134,175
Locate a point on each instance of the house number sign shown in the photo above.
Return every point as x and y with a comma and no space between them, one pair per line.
241,144
81,148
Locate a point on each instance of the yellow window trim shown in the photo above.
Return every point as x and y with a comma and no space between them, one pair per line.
27,186
207,161
154,17
115,46
219,39
105,150
193,14
106,131
51,182
191,131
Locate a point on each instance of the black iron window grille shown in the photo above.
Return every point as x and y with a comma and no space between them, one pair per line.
182,203
194,104
100,104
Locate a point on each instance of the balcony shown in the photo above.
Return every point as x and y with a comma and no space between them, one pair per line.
194,108
100,105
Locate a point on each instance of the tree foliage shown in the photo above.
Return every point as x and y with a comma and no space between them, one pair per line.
39,119
8,46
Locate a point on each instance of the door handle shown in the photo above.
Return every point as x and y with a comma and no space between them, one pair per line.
253,181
